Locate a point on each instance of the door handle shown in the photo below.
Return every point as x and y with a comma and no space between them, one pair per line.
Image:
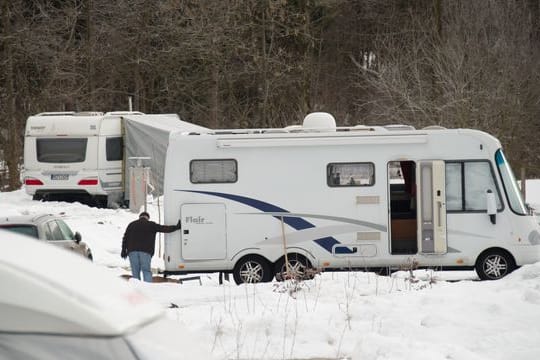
439,212
186,231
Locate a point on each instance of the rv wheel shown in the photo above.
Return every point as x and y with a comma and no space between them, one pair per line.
297,268
252,269
494,264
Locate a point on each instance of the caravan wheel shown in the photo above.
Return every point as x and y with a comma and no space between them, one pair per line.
494,264
252,269
298,266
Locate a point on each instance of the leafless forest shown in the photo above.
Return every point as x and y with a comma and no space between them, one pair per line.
266,63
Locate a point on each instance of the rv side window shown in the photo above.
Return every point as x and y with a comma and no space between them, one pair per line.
61,150
350,174
114,146
466,185
213,171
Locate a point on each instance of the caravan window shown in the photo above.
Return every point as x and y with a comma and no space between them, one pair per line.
114,148
213,171
350,174
61,150
466,185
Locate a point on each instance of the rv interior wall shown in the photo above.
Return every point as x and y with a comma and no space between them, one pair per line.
402,190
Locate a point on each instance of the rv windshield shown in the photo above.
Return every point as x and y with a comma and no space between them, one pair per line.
61,150
510,185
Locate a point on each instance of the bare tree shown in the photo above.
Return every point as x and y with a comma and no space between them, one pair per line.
468,66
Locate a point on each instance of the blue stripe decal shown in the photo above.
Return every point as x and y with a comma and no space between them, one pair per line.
296,223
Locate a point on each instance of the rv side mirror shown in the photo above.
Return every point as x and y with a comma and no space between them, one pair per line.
77,237
491,206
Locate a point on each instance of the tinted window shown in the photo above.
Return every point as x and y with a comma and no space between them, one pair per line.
29,230
114,148
52,347
213,171
55,232
350,174
66,231
454,187
466,185
61,150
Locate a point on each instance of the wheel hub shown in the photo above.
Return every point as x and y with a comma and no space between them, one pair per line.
495,266
251,272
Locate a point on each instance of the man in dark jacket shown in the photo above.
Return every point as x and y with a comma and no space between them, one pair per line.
139,243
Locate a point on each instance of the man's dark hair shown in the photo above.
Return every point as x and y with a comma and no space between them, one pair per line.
145,214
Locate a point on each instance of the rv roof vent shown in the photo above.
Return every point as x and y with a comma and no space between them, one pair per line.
293,128
123,113
320,121
398,127
273,131
57,113
362,128
434,127
88,113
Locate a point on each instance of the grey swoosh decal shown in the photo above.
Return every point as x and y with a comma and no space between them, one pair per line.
325,217
458,232
300,236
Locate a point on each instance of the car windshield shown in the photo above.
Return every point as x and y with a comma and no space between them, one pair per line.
29,230
510,184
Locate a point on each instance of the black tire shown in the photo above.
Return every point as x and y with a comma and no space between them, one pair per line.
252,269
101,201
37,197
89,255
494,265
298,266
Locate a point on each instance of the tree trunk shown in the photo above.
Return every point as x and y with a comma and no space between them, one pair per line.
13,147
89,55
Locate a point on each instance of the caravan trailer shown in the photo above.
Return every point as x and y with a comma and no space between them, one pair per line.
344,198
87,154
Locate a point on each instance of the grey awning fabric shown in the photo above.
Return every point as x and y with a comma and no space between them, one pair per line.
148,136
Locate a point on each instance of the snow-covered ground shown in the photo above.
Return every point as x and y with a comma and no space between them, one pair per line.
337,315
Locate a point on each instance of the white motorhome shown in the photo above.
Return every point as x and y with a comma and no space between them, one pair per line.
86,153
344,198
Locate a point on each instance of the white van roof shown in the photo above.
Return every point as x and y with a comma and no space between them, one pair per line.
50,290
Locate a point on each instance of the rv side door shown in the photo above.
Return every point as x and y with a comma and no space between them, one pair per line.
431,207
203,231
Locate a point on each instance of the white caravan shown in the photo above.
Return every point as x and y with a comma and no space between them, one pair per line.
344,198
84,153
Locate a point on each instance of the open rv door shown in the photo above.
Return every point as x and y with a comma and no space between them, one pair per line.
431,207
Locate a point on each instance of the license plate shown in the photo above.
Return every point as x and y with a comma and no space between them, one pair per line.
59,177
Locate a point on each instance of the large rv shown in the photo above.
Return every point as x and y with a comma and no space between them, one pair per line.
87,154
343,198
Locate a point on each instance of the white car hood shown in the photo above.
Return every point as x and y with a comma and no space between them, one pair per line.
50,290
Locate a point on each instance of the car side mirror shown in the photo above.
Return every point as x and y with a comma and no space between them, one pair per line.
491,206
77,237
530,209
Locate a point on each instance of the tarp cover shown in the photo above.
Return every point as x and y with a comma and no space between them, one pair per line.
148,136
